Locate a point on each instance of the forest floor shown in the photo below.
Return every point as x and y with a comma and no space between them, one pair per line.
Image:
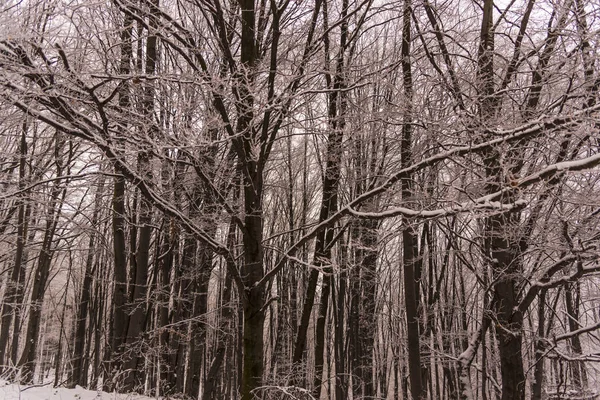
14,391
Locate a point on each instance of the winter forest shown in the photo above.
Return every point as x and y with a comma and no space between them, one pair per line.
301,199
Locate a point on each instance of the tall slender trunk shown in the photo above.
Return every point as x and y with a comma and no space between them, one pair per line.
19,297
410,251
210,386
540,349
197,344
28,357
579,372
503,254
253,312
168,251
9,305
507,267
205,208
119,295
501,245
324,239
81,317
137,321
362,318
368,320
99,314
58,367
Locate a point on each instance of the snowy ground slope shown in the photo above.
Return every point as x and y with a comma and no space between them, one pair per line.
47,392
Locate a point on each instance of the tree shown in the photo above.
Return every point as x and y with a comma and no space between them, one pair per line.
420,176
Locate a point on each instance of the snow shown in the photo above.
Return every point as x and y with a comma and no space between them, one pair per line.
14,391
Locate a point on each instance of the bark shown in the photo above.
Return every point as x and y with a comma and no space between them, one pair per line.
339,306
509,323
9,302
210,384
253,269
168,251
540,349
81,318
58,369
98,314
324,239
20,295
137,321
578,370
198,326
119,296
501,245
28,356
205,208
320,331
253,311
362,319
503,254
410,251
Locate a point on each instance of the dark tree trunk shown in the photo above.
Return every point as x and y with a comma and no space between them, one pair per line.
198,327
81,318
168,251
58,368
119,317
410,250
540,349
20,298
211,382
99,315
138,319
9,302
205,208
506,263
28,356
251,274
324,239
572,295
368,320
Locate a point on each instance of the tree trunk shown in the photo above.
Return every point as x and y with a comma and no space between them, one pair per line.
572,295
198,327
252,272
119,296
506,264
42,271
210,385
19,299
81,317
324,239
168,251
410,251
540,349
137,321
9,305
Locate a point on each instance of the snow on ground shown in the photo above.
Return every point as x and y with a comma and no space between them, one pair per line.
14,391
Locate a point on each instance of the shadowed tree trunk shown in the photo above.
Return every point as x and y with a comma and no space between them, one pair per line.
252,269
224,332
137,321
9,302
119,317
410,250
53,212
572,296
81,317
324,239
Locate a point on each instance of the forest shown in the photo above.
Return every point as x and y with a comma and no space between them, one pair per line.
301,199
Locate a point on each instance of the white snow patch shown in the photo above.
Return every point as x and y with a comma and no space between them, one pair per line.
14,391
